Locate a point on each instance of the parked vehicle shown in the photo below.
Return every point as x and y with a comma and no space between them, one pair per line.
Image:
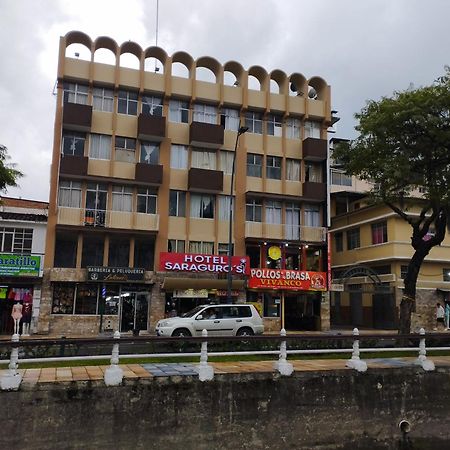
217,320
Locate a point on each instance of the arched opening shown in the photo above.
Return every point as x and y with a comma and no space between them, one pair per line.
180,70
229,79
129,60
274,87
105,56
317,88
297,85
253,83
152,64
205,74
79,51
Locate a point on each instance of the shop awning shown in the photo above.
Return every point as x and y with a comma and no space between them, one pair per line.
446,291
170,283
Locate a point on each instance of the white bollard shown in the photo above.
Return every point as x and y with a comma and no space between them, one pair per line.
114,374
284,367
205,371
355,362
422,359
11,380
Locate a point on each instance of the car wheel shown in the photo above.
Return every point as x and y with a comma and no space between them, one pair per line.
181,332
245,332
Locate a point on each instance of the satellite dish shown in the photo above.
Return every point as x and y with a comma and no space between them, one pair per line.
312,94
293,87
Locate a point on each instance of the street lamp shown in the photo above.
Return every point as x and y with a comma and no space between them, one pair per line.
241,131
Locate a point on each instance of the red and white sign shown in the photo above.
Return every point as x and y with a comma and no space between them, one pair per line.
293,280
190,262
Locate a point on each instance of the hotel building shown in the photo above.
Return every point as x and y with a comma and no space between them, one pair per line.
141,181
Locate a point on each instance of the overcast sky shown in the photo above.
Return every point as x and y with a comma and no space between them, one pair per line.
363,48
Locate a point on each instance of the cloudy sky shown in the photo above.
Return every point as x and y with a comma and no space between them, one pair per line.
363,48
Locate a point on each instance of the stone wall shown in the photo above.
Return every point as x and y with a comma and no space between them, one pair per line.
310,410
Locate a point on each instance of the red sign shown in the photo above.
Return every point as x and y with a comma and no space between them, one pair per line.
293,280
190,262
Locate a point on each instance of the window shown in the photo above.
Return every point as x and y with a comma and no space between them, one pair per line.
272,304
86,299
205,248
313,172
96,197
152,106
203,159
92,251
122,198
205,113
340,178
273,167
175,246
69,194
379,233
274,125
445,273
223,249
63,298
110,297
125,149
119,251
149,153
100,146
253,120
353,239
177,203
127,103
178,157
229,119
404,270
226,162
312,216
293,169
16,240
73,143
338,242
253,211
146,200
144,250
65,250
254,165
292,221
76,93
202,206
103,99
273,212
312,129
178,111
224,207
293,128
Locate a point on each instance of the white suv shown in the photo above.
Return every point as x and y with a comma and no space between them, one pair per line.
217,320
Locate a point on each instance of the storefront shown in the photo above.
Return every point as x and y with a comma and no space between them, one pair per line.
290,297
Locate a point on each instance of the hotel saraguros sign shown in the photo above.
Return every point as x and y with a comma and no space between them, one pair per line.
19,265
190,262
294,280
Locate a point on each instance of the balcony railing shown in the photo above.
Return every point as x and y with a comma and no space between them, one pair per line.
285,232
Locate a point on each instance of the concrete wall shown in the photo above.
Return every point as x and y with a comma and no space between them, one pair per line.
320,410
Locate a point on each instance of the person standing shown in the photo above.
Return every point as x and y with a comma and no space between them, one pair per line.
447,315
440,315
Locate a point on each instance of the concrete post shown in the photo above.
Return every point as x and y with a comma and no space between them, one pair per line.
422,359
355,362
114,374
205,371
282,365
11,380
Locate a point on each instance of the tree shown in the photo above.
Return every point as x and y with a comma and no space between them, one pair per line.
404,148
8,172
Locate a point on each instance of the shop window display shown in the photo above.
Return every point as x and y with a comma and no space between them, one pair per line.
63,298
86,299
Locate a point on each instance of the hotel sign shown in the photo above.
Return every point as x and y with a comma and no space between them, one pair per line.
19,265
115,274
190,262
292,280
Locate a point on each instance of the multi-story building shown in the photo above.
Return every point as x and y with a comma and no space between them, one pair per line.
141,181
371,248
22,245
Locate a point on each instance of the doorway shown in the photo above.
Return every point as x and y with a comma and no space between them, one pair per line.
134,311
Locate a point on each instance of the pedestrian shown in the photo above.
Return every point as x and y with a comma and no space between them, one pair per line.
447,315
440,316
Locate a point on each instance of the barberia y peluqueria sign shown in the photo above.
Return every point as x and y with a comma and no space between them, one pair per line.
19,265
115,273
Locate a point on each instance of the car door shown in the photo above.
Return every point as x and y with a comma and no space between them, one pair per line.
210,321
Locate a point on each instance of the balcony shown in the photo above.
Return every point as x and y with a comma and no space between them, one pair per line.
314,191
151,128
314,149
77,117
205,180
98,219
73,165
206,135
151,174
284,232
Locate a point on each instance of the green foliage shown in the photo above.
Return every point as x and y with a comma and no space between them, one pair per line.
8,172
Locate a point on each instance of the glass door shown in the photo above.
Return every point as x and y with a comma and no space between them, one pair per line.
134,311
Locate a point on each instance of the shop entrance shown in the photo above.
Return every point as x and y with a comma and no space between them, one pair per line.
134,310
302,312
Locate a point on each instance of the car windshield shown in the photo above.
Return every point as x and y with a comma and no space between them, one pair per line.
192,311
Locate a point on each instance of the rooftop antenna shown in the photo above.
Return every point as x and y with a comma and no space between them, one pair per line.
156,41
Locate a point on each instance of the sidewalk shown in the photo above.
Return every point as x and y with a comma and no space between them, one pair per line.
140,371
